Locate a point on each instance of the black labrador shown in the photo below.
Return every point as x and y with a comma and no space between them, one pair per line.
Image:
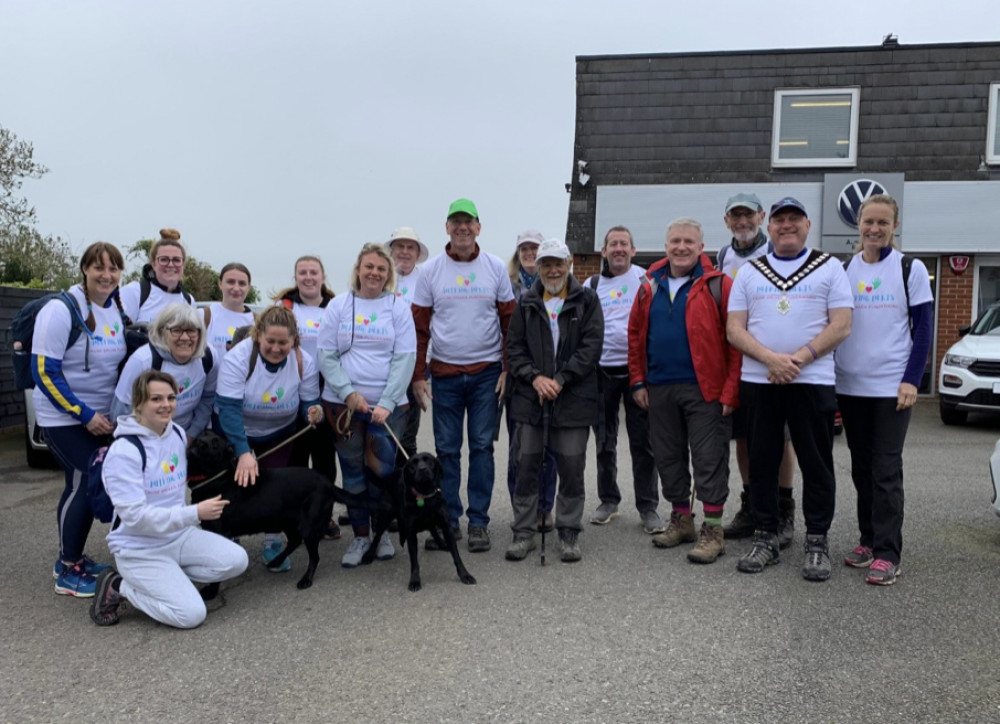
418,504
296,501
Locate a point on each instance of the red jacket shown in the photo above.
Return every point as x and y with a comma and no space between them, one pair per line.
717,364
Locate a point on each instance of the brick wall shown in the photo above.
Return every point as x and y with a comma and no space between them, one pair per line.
586,265
954,305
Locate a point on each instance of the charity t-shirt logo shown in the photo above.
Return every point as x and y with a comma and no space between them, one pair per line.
274,396
555,312
619,293
866,287
402,292
231,330
312,324
168,466
181,386
363,320
465,281
112,331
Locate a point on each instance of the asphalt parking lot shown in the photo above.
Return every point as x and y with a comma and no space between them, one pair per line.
631,633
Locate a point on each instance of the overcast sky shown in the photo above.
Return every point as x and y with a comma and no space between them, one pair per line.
267,130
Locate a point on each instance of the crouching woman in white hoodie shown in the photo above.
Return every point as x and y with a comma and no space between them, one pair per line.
158,547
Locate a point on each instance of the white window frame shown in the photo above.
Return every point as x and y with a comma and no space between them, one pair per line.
991,128
852,156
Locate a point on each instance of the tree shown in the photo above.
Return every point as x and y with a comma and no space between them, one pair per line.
200,279
27,258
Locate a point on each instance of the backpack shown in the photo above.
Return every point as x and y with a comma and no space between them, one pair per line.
206,359
146,288
255,353
907,264
22,328
100,501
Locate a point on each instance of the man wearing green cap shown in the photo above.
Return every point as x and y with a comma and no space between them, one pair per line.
461,307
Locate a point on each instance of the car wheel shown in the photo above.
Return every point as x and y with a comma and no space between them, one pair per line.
951,416
37,458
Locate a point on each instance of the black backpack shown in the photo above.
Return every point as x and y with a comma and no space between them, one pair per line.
22,328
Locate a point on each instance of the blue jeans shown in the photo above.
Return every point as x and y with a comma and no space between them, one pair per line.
453,397
367,451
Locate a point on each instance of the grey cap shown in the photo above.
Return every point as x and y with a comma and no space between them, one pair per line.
747,201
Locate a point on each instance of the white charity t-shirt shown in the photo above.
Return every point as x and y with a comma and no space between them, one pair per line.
405,285
270,399
157,300
465,326
806,315
309,320
190,380
223,326
107,349
871,362
553,307
731,261
367,333
617,295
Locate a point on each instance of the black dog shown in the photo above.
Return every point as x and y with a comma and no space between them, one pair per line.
296,501
419,506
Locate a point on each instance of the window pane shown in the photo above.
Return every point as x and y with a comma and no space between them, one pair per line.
815,126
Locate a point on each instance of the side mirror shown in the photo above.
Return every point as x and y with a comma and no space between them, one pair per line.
962,331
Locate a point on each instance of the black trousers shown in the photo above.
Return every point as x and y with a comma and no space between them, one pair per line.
808,411
875,434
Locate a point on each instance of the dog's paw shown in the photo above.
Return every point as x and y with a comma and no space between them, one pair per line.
414,585
467,579
304,583
209,592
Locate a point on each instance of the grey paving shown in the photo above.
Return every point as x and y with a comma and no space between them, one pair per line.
631,633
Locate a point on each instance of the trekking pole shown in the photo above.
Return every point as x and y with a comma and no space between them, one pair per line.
546,422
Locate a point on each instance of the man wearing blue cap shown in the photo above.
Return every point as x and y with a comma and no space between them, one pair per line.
788,311
461,308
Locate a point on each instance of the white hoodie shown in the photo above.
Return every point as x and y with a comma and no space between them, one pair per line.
150,502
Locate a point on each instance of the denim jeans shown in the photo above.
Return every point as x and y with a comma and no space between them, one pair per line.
453,398
368,450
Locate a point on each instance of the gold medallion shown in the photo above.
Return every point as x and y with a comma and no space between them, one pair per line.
784,305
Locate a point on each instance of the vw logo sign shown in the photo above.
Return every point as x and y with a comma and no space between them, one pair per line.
851,197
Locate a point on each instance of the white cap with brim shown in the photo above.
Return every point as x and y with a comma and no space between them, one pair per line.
407,233
553,249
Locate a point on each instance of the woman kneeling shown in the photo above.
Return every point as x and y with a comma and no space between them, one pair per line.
158,547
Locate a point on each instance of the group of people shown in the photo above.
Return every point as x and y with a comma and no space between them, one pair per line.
763,349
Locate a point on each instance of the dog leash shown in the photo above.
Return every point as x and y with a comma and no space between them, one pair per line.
280,445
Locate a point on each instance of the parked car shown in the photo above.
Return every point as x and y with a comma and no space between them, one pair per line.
970,372
995,475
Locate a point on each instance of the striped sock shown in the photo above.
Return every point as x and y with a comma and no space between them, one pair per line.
682,508
713,514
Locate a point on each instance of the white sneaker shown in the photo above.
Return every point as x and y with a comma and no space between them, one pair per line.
355,551
385,551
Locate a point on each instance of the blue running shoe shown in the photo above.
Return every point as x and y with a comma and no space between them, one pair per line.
75,581
271,551
92,567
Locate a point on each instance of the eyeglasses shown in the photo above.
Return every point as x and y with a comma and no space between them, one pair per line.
181,331
742,213
168,260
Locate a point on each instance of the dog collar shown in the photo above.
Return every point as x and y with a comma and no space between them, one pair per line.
420,498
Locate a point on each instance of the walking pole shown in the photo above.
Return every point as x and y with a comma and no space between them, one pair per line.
546,421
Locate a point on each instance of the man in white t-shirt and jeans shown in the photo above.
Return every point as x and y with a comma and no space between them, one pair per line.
616,286
788,311
461,306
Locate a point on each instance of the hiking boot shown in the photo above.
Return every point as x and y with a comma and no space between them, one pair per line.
652,522
545,522
742,525
680,530
710,545
332,531
479,539
431,545
270,552
860,557
107,601
356,551
384,550
817,563
763,553
520,547
92,567
786,522
569,549
605,513
75,581
882,573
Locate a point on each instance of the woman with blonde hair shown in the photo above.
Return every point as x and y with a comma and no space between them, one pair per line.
367,351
